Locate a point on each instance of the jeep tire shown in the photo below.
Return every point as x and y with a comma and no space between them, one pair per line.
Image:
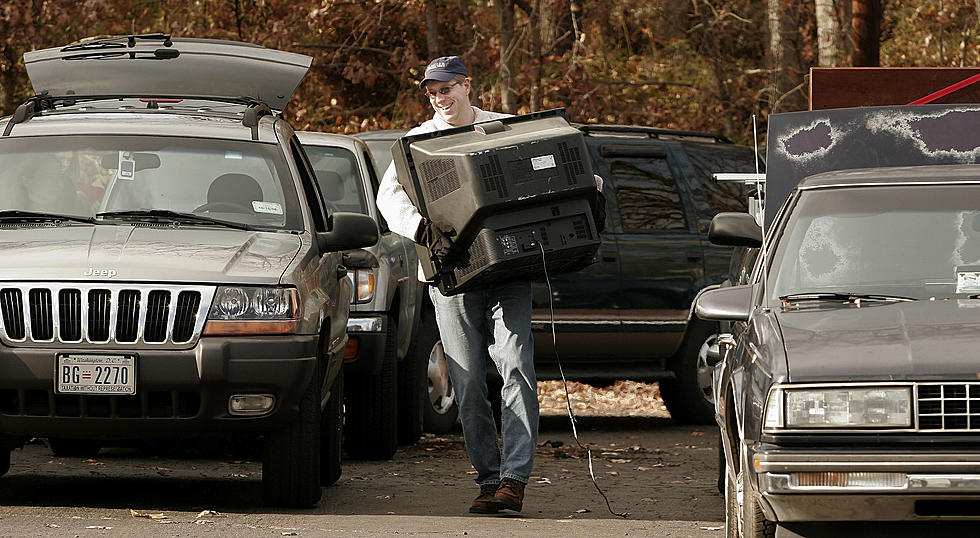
371,425
291,456
683,395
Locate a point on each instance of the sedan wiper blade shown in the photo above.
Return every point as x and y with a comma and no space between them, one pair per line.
37,216
840,296
168,215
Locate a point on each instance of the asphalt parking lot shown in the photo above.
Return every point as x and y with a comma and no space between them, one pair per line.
660,473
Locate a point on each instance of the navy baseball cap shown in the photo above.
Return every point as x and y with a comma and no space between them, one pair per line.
443,69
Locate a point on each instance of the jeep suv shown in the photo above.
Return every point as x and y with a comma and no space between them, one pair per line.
169,268
628,315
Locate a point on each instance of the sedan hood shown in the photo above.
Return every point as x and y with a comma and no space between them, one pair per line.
919,340
126,253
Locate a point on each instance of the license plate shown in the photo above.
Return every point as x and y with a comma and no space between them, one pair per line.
96,374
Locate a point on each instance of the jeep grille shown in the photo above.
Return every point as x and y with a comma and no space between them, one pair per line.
118,314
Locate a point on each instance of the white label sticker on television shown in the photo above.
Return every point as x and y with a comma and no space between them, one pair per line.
542,162
272,208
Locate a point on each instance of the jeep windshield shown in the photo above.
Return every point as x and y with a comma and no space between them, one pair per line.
896,241
133,178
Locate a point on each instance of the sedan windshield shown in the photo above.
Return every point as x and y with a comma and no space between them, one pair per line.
128,178
916,242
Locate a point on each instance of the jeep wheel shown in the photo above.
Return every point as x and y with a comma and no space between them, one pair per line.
412,398
291,457
440,411
332,433
73,448
684,395
371,425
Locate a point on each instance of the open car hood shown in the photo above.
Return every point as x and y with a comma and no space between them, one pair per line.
206,68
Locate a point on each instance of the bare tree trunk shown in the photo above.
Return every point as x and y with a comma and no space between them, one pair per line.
505,78
8,81
776,52
828,31
432,28
866,29
534,18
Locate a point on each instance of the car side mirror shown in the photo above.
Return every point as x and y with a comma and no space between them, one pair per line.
348,231
732,303
735,230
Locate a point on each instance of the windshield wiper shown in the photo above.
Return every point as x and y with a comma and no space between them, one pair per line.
37,216
840,296
168,215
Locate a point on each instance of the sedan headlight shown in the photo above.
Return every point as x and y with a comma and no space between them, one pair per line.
838,407
240,310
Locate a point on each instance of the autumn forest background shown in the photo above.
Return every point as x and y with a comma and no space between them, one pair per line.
705,65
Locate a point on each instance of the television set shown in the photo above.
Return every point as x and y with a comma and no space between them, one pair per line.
511,190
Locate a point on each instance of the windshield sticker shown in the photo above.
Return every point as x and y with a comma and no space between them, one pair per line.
543,162
127,169
968,279
237,155
272,208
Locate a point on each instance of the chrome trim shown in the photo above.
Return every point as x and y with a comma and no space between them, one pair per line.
366,325
916,483
114,289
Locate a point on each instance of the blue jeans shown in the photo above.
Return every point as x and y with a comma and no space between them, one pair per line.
495,320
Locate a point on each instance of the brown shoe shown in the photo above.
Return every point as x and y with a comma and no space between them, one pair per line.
510,495
484,503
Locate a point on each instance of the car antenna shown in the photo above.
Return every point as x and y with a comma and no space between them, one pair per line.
760,193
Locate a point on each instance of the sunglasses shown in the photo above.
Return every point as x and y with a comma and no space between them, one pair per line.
441,91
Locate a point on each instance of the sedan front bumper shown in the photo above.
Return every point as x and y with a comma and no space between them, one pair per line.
868,486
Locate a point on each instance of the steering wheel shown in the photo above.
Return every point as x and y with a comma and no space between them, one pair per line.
223,207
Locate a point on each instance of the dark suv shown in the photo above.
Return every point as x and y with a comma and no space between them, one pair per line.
628,315
168,266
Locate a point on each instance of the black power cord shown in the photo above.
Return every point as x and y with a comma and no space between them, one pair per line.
568,403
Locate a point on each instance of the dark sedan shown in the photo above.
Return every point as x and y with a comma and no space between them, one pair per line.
849,390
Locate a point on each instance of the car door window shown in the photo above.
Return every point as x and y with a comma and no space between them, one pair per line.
647,195
712,197
338,175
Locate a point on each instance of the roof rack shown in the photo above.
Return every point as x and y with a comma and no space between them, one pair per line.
35,105
652,132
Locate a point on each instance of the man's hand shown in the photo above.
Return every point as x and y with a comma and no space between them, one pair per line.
437,239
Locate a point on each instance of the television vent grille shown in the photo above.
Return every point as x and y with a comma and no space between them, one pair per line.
493,176
571,161
439,177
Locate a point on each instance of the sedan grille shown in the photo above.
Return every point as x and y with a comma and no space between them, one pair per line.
948,406
49,313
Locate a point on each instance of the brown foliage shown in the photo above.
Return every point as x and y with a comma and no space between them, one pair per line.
689,64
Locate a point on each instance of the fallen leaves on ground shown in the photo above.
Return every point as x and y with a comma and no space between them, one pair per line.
622,398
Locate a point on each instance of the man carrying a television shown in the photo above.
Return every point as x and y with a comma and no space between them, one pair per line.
496,319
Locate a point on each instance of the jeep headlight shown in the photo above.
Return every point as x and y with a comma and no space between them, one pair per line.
838,407
240,310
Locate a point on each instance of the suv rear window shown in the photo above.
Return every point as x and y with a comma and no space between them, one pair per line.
647,195
236,181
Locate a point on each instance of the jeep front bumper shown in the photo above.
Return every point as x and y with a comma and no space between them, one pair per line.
367,333
179,393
